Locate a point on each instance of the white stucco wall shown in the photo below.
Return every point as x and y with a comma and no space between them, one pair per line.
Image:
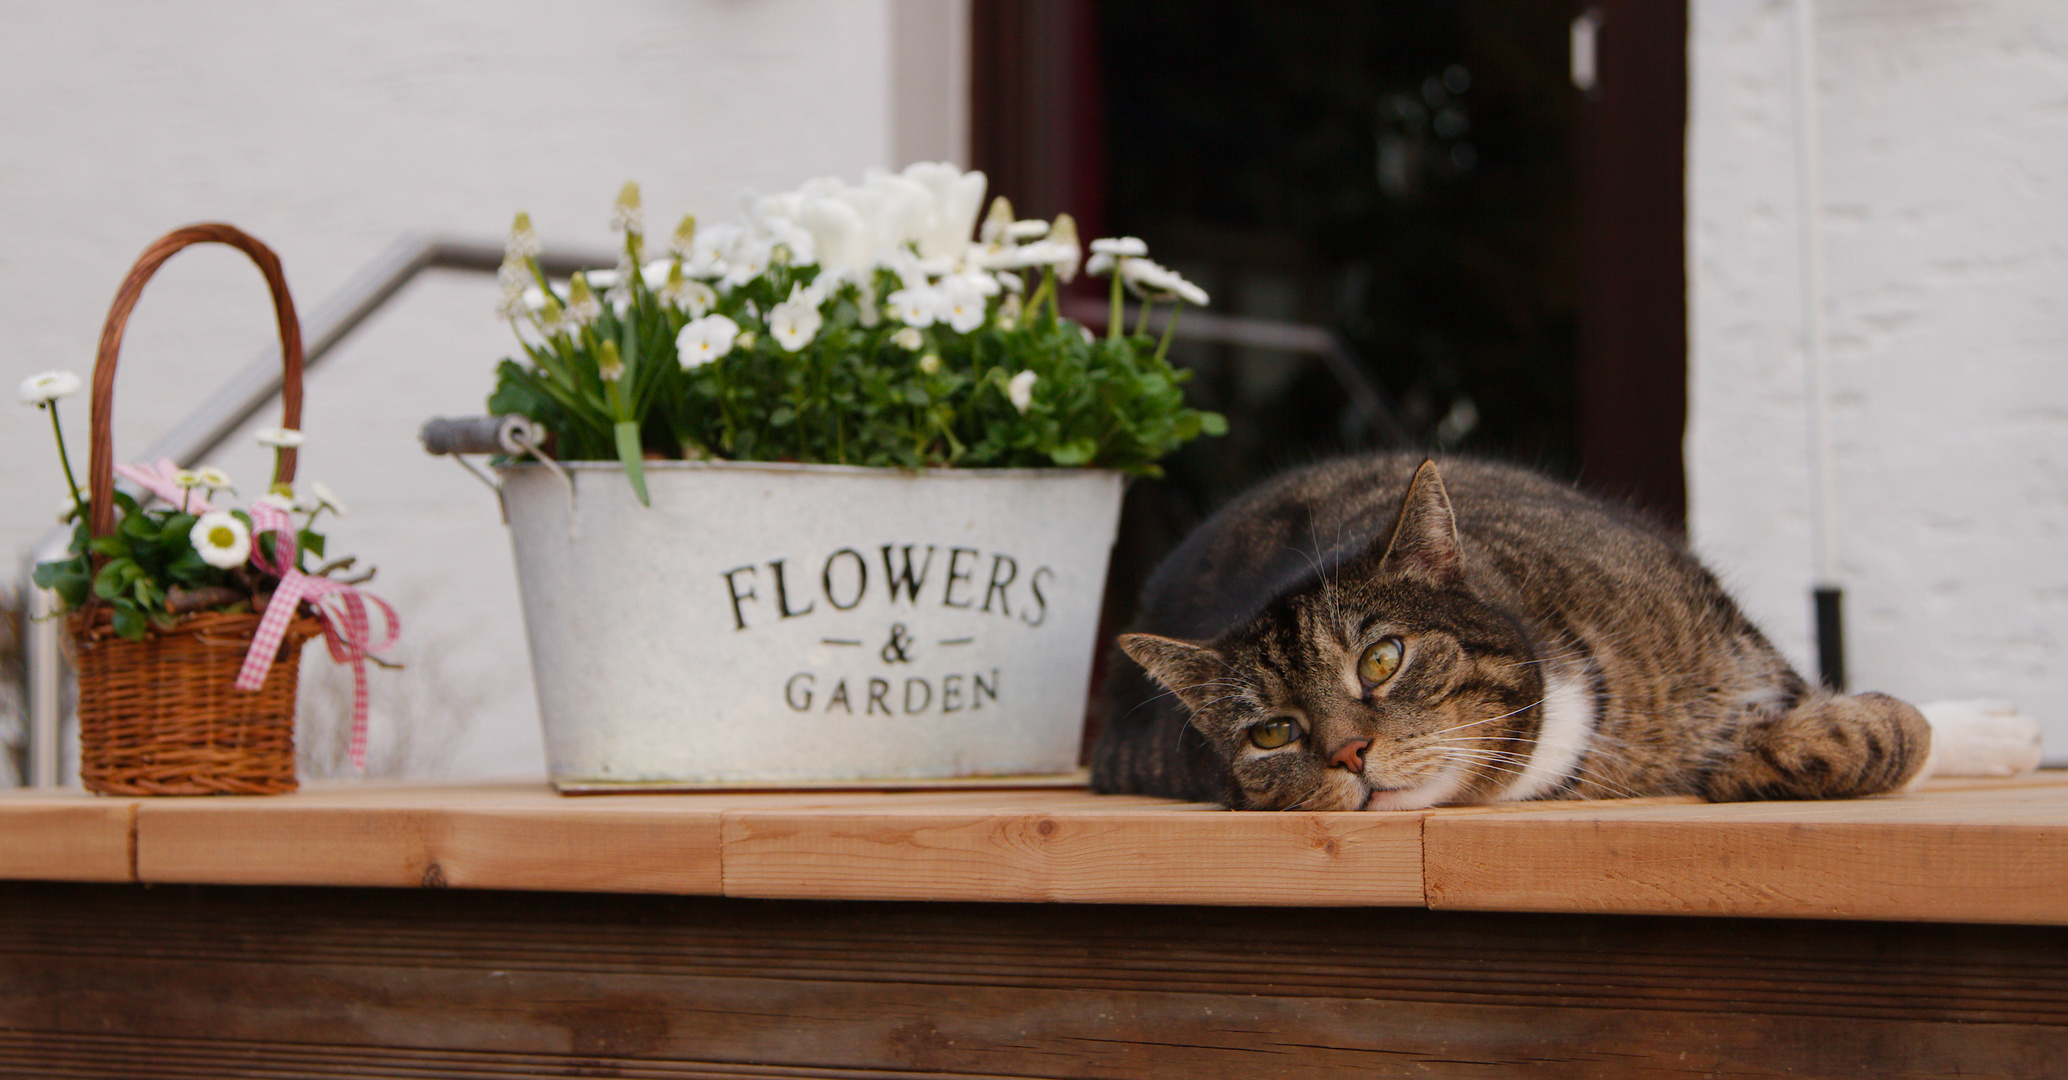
328,130
1945,162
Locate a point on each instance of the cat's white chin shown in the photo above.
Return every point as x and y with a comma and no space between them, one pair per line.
1420,797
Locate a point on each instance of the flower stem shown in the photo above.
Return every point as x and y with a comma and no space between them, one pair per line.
1046,291
1169,328
1113,324
65,459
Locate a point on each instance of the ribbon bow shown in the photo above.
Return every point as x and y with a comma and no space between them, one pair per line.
342,608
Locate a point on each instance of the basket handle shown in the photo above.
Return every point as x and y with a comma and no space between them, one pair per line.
101,468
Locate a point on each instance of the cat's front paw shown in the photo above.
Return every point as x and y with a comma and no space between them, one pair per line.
1982,737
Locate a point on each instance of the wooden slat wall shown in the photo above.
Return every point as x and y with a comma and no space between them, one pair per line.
207,981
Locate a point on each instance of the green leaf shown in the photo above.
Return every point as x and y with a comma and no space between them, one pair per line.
129,622
630,453
311,542
1075,452
114,578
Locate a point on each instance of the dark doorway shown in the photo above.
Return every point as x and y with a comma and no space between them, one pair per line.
1499,248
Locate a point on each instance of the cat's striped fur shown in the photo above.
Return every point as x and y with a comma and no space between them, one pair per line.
1460,634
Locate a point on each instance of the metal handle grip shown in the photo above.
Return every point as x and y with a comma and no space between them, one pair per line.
512,434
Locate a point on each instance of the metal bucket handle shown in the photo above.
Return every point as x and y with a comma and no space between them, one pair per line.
513,434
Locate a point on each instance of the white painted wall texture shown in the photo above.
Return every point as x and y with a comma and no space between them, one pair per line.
1945,162
328,130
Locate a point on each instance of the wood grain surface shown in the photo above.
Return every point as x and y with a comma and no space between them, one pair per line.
1966,852
1971,851
101,980
61,836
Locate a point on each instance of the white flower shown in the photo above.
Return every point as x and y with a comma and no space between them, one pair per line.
930,364
698,299
627,215
944,230
1063,235
918,306
582,305
221,539
1020,391
523,242
1148,277
705,339
279,438
1120,246
748,259
1100,264
187,479
841,237
283,501
47,387
1033,229
908,338
963,302
321,497
214,479
795,321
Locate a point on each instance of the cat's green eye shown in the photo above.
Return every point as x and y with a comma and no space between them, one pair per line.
1275,732
1380,661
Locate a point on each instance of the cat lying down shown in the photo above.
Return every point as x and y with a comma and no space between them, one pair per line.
1380,633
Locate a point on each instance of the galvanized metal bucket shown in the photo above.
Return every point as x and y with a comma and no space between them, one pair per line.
776,624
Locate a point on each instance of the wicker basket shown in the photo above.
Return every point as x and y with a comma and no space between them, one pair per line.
161,716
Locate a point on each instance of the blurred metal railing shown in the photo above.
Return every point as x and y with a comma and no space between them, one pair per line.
249,390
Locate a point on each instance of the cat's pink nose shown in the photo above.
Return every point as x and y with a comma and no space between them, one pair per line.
1351,756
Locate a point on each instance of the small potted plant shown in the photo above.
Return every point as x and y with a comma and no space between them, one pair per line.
187,616
829,491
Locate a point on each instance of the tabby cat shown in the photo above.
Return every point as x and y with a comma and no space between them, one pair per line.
1381,634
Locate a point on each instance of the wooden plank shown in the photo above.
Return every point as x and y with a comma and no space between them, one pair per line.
1130,855
66,836
1994,854
518,838
508,836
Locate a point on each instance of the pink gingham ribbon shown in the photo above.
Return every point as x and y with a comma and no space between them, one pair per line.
346,629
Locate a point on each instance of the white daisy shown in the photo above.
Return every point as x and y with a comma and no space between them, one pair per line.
47,387
221,539
1120,246
279,438
214,479
320,496
908,338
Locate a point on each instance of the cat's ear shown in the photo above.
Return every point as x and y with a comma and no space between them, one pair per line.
1191,671
1424,543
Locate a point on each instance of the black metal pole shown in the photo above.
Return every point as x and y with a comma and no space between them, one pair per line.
1830,637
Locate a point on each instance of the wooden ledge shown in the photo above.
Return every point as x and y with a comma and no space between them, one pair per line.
1970,851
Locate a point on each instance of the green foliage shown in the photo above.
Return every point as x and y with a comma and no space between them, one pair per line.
865,390
148,555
